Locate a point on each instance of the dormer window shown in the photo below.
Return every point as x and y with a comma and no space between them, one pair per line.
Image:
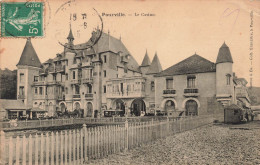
228,78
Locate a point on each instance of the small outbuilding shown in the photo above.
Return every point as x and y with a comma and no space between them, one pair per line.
233,114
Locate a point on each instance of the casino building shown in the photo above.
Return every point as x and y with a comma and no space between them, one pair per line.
107,77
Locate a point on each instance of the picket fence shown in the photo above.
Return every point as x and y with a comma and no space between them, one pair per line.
77,146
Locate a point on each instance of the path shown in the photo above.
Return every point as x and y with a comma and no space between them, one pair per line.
214,144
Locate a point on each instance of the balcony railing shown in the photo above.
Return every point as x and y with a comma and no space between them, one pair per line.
126,94
39,83
76,96
169,93
87,80
75,81
191,92
89,96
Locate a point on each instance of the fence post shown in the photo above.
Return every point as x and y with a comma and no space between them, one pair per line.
85,143
11,150
24,149
17,159
57,147
41,150
126,128
3,147
36,149
30,149
61,146
47,148
65,147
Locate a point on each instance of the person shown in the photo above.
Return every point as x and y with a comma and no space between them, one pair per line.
252,115
246,116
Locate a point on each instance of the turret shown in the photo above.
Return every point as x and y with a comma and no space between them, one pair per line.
145,63
28,67
155,66
224,76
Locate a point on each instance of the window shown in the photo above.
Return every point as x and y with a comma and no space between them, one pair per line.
125,70
21,90
74,75
62,89
89,88
105,59
66,90
105,89
105,73
36,78
152,85
54,77
116,75
74,61
77,90
36,90
169,83
21,77
191,82
228,77
40,90
67,76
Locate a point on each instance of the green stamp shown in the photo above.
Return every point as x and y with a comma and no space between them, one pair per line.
21,19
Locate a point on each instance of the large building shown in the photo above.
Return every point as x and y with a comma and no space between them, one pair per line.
107,77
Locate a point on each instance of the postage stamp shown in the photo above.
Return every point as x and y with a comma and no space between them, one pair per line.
22,19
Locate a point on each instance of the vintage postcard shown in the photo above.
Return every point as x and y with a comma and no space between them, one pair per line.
129,82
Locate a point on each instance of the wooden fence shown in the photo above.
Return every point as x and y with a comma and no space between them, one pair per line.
77,146
29,124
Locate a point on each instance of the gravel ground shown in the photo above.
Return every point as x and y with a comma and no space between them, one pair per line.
212,144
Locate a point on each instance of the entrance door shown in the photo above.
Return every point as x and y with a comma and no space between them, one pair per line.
191,108
138,107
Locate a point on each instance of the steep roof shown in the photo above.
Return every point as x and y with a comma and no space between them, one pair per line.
155,67
109,43
146,60
224,54
12,104
70,36
193,64
29,56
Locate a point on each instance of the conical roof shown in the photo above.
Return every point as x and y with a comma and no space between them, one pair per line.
146,60
29,56
224,54
155,67
70,36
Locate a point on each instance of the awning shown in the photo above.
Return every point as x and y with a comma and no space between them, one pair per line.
37,109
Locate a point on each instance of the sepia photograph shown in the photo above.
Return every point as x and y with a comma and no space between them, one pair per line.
129,82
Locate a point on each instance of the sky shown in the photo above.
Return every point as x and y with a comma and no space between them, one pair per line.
176,30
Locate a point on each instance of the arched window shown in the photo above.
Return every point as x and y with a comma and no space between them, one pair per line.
228,78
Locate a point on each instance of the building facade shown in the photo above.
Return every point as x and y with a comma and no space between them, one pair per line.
107,77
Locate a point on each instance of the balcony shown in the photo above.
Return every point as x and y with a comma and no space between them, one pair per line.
89,96
87,80
169,93
76,96
126,94
87,64
39,83
191,92
75,81
21,97
53,82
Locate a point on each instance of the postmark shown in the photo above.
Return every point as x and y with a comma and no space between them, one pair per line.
83,22
22,19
